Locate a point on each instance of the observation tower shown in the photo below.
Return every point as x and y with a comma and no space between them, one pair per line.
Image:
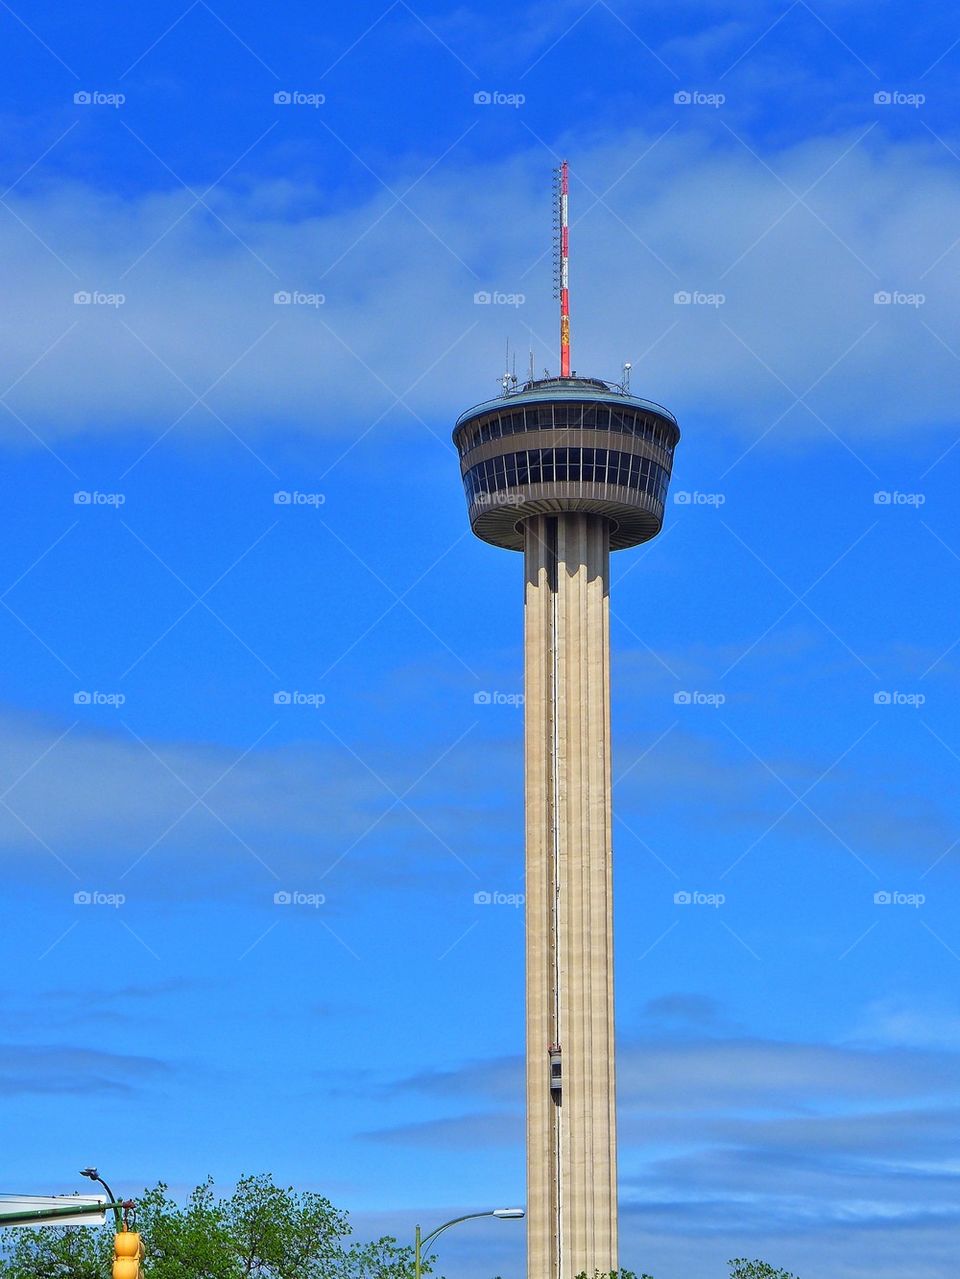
566,469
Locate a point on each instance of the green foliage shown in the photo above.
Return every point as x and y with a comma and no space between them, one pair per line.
739,1269
55,1253
261,1231
613,1274
743,1269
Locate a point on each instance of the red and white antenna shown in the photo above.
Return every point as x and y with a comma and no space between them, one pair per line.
563,189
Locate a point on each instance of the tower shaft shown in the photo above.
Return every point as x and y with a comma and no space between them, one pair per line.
571,1130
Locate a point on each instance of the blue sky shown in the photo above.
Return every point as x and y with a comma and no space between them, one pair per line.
785,654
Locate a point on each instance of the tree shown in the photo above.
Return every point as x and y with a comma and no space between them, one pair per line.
742,1269
261,1231
55,1253
739,1269
613,1274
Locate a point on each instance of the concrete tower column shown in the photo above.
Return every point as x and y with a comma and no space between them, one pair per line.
571,1131
567,470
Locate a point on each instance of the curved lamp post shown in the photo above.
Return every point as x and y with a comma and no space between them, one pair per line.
507,1214
95,1176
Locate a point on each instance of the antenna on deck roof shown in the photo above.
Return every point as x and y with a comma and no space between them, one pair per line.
561,186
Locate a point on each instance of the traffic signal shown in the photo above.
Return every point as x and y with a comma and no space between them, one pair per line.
127,1255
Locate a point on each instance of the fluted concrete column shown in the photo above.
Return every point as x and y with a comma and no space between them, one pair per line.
571,1136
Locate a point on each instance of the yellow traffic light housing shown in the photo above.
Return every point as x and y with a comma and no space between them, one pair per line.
127,1255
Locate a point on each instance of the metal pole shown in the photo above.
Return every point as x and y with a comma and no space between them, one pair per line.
95,1176
40,1215
420,1239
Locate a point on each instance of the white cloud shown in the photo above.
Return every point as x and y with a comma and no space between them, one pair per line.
809,1155
113,806
723,1076
49,1068
798,305
915,1023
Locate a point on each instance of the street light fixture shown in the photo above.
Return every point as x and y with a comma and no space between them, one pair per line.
505,1214
95,1176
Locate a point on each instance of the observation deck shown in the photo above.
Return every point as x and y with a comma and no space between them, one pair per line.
566,444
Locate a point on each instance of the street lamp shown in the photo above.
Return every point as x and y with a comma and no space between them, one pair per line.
506,1214
95,1176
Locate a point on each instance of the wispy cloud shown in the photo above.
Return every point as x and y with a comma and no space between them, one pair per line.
798,295
64,1069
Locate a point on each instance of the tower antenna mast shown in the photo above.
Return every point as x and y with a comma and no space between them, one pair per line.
563,188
